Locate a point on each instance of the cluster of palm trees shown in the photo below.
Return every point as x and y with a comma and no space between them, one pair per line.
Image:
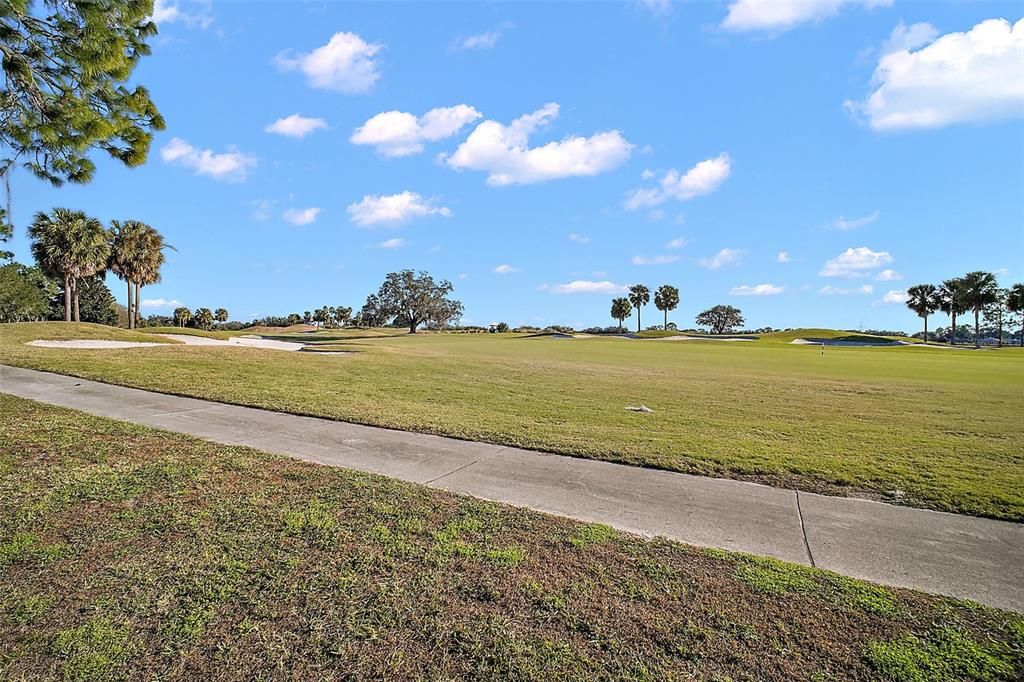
71,246
202,318
337,316
666,298
971,293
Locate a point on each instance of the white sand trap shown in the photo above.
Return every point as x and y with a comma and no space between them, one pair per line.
247,341
94,343
697,338
837,342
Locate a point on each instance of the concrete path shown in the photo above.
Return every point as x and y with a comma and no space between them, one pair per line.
963,556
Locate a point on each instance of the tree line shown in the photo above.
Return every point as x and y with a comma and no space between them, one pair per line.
976,292
721,319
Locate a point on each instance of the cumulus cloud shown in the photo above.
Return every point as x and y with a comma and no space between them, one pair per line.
301,216
969,77
397,133
677,243
231,166
783,257
844,224
888,275
757,290
345,64
911,37
296,126
894,296
168,13
393,209
858,262
160,303
704,178
505,269
663,259
781,15
840,291
579,238
721,259
586,286
393,243
503,151
261,209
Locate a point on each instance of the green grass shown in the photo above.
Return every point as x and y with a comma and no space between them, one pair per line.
183,559
921,426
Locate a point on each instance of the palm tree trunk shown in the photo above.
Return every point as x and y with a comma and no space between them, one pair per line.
666,319
131,314
638,320
67,298
78,318
976,342
926,329
952,334
138,287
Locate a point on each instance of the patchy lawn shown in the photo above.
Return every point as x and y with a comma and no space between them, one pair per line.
127,552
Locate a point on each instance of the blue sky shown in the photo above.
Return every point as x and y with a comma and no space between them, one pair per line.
541,156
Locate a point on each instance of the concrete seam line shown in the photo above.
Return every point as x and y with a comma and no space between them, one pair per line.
464,466
803,529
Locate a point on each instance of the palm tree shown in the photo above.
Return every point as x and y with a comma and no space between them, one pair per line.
151,253
182,316
924,300
69,245
639,296
125,257
1015,304
951,302
221,315
621,309
666,298
202,318
980,289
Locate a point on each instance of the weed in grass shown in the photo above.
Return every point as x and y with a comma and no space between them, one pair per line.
943,654
315,522
92,651
590,534
25,548
507,557
27,610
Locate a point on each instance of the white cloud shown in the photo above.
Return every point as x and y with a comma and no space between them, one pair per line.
393,209
704,178
677,243
503,151
720,259
757,290
391,243
397,133
857,262
888,275
655,260
160,303
481,41
970,77
782,15
346,64
296,126
844,224
839,291
579,238
783,257
647,174
658,8
301,216
894,296
463,275
232,165
505,269
584,286
909,37
166,13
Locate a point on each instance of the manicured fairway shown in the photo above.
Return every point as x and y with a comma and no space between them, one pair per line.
929,427
130,553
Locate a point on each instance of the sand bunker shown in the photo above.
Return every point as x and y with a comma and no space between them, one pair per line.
837,342
699,338
248,341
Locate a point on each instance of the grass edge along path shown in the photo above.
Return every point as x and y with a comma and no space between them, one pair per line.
132,552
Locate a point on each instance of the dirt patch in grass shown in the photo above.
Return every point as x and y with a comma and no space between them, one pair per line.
134,553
